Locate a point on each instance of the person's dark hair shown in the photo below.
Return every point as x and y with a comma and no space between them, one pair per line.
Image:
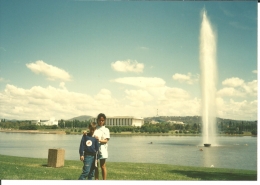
92,125
101,115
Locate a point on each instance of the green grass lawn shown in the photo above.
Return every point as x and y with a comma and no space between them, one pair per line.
23,168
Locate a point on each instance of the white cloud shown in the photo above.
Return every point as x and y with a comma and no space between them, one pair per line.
127,66
143,82
251,88
104,94
182,78
255,71
238,88
136,104
238,110
51,72
176,93
233,82
46,102
176,107
231,92
147,95
62,85
169,102
159,92
138,95
43,103
105,101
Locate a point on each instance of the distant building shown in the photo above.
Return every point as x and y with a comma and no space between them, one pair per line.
123,121
154,122
50,122
175,122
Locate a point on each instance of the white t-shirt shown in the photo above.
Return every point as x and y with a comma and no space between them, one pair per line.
98,133
103,133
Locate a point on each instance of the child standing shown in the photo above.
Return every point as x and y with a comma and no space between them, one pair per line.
88,151
103,135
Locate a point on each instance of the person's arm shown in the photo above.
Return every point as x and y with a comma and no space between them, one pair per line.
82,158
103,141
107,136
81,149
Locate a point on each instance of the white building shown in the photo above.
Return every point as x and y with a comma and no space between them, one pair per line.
175,122
123,121
50,122
154,122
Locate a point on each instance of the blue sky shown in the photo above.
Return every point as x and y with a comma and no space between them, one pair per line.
61,59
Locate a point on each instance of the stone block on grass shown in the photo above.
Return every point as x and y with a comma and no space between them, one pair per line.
56,157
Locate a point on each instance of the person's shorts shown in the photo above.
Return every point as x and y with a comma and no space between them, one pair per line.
103,152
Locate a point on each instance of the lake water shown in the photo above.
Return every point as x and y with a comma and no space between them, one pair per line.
232,152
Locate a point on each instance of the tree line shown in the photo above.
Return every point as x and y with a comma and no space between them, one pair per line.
224,126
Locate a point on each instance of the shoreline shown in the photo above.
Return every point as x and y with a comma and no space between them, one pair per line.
62,132
33,131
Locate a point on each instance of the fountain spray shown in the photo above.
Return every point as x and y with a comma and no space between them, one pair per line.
208,80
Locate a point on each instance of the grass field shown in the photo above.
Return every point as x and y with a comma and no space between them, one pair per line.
22,168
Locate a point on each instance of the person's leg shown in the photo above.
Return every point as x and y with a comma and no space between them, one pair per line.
103,168
88,160
92,171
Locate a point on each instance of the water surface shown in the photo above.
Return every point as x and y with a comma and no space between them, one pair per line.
232,152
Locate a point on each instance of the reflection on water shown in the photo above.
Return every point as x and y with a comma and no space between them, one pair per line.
232,152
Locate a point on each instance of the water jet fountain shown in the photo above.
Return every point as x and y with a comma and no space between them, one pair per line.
208,80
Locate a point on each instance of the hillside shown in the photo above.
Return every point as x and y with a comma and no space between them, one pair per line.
81,118
189,119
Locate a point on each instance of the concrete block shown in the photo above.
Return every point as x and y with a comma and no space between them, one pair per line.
56,157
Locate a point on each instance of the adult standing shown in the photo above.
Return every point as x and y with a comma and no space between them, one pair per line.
103,135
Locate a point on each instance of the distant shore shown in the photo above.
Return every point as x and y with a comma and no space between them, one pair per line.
113,134
33,131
